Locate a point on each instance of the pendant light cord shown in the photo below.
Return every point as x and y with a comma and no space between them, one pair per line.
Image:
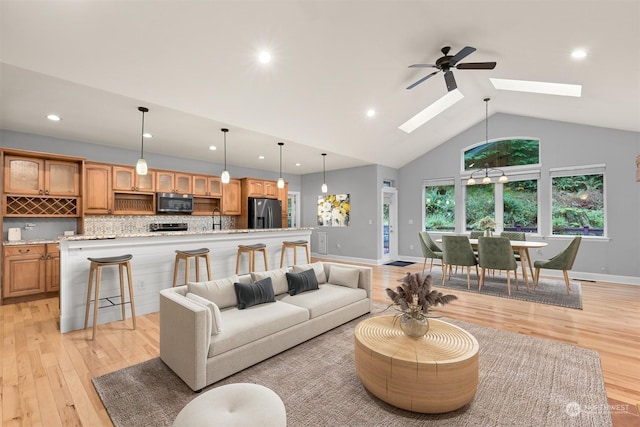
225,150
142,138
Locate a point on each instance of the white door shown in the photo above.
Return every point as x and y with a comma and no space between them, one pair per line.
293,209
389,224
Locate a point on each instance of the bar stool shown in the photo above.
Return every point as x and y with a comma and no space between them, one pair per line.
251,251
294,245
186,256
121,261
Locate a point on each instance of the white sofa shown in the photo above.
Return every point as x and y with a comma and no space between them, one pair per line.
204,343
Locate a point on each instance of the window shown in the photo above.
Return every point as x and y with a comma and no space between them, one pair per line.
479,203
577,201
502,152
520,200
439,205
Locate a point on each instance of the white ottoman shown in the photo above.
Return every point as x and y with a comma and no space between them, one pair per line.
232,405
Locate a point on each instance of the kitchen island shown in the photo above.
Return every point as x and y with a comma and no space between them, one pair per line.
152,265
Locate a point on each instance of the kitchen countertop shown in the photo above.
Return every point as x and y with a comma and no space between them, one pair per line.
147,234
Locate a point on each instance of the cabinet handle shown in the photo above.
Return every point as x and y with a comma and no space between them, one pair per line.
24,251
109,211
40,192
42,258
46,191
133,188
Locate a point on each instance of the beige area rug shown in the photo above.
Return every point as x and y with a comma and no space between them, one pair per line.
524,381
548,291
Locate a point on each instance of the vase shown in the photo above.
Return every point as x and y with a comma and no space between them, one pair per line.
414,324
488,233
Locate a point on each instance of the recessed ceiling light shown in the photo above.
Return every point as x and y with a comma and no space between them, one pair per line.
297,164
371,113
264,57
538,87
261,157
431,111
213,148
54,117
147,135
579,54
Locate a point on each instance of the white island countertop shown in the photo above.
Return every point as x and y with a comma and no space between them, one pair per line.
153,263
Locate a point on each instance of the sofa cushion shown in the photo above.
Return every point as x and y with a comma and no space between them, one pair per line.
344,276
302,282
216,323
259,292
220,291
317,267
326,298
278,279
245,326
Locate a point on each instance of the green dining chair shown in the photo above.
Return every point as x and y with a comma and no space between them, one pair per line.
562,261
456,250
474,234
495,253
519,236
429,250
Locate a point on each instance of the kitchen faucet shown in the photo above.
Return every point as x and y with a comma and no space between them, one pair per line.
213,218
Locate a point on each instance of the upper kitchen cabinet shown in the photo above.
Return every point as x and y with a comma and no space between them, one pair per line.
125,178
173,182
207,186
231,201
98,197
252,187
44,177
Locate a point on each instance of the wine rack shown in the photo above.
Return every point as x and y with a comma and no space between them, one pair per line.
30,206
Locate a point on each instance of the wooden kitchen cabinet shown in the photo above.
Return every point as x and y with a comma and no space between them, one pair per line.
259,188
125,178
23,270
173,182
98,196
283,196
52,268
45,177
231,200
207,186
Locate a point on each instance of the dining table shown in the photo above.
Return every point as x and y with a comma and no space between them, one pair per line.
522,246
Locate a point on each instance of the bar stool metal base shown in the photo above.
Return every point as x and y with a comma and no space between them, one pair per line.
96,269
186,256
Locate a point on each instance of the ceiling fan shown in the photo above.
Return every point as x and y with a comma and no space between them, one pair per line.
447,62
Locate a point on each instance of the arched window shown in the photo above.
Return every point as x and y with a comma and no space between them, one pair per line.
504,152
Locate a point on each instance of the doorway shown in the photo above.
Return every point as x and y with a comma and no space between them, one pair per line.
293,209
389,224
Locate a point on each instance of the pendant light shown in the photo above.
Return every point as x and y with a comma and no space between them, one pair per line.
225,177
324,177
141,165
486,169
280,180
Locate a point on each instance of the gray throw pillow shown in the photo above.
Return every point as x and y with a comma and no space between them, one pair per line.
255,293
302,282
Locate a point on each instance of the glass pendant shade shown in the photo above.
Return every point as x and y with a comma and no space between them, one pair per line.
471,181
503,179
324,188
225,177
280,183
141,167
486,180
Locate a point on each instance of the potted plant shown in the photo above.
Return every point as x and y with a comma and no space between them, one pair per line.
415,299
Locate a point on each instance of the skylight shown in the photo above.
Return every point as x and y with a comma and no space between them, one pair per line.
431,111
538,87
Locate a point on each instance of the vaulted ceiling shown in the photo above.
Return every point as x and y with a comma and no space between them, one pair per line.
194,65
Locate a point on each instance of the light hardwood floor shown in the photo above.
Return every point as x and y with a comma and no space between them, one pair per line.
46,376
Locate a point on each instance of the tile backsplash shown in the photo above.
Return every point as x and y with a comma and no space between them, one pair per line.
96,225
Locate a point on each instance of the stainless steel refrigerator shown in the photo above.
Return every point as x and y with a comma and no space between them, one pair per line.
264,213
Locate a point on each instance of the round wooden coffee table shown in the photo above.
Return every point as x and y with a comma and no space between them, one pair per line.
432,374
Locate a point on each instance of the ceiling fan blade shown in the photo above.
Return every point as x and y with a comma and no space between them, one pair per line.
466,51
422,66
422,79
476,66
450,80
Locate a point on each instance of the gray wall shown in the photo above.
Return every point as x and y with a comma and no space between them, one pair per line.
562,144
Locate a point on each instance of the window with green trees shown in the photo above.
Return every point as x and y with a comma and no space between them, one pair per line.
578,205
479,203
502,153
520,200
439,207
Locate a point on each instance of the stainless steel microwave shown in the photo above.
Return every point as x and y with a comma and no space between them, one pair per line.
173,203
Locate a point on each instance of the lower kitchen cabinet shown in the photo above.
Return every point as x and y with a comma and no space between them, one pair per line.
30,270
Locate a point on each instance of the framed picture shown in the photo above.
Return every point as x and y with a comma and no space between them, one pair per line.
334,210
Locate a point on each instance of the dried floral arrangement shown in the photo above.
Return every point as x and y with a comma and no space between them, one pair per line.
487,223
415,295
